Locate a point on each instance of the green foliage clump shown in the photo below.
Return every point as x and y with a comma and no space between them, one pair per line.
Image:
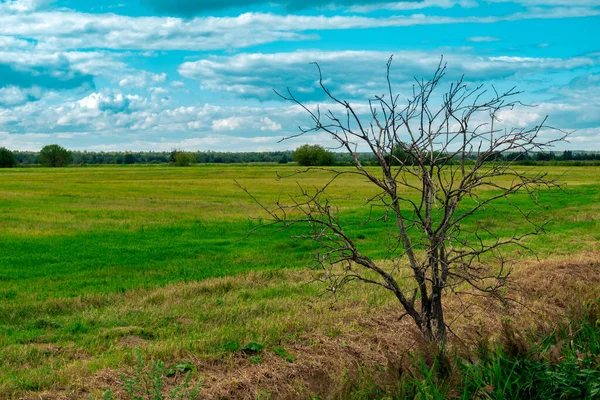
281,352
7,158
313,155
248,348
54,155
252,348
129,158
182,158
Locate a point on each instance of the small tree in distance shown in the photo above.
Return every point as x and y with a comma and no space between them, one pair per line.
435,174
185,159
182,158
7,158
54,155
313,155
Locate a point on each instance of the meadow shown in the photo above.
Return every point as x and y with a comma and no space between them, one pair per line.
98,261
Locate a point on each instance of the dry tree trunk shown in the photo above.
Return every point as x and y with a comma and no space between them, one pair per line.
448,155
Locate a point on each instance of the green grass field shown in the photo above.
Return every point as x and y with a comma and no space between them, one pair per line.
92,256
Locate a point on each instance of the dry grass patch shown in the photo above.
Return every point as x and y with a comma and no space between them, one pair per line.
329,348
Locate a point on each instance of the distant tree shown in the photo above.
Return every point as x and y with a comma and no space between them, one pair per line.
185,159
129,158
7,158
283,159
567,155
313,155
401,156
173,155
544,156
54,155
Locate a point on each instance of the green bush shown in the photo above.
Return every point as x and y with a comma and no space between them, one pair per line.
184,159
7,158
313,155
54,155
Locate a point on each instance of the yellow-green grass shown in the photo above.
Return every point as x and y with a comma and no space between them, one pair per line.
85,251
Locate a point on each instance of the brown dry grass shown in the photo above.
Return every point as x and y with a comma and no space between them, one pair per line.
370,344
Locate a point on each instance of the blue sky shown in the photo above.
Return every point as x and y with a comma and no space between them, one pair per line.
198,74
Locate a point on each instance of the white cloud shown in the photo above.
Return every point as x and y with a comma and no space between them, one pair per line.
70,30
24,5
106,102
414,5
357,73
142,79
245,122
230,124
554,3
146,109
11,96
269,125
483,39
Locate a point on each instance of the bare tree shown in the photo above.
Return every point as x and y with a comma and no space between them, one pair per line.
438,166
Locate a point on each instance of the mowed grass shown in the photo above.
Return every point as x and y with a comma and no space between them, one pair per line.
92,259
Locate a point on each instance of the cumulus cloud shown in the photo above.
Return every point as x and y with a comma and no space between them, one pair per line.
28,71
122,114
25,5
269,125
192,7
574,106
11,96
554,3
24,78
114,120
52,59
110,103
355,73
247,123
56,75
142,79
586,82
414,5
73,30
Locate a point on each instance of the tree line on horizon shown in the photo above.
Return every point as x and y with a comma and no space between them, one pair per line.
306,155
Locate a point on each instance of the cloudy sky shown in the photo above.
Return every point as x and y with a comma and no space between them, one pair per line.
199,74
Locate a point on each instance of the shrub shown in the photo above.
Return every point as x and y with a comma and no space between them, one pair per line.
185,159
54,155
7,158
313,155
